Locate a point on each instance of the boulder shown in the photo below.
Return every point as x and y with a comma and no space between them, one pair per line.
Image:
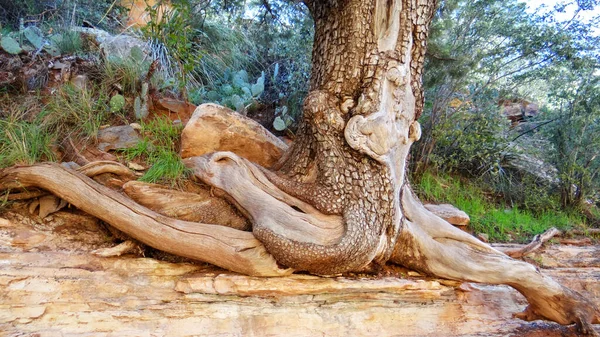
119,46
449,213
215,128
528,164
519,110
117,138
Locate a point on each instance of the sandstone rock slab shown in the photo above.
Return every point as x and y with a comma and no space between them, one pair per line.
216,128
117,138
449,213
58,288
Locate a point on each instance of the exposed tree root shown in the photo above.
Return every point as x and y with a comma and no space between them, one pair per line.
431,245
222,246
534,245
118,250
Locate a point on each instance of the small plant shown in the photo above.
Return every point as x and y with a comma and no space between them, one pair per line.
158,149
27,39
235,92
22,142
81,111
283,119
126,73
117,103
66,42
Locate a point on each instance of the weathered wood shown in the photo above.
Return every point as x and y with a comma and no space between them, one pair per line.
535,244
226,247
200,206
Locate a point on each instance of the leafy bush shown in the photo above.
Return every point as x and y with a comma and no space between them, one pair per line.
105,14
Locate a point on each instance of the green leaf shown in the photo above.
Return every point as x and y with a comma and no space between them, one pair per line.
247,92
117,103
35,36
137,107
137,54
279,124
213,96
227,89
52,49
10,45
259,87
240,79
237,102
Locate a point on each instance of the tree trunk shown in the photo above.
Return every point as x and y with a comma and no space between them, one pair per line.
339,200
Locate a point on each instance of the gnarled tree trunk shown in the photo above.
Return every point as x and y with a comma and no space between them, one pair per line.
339,199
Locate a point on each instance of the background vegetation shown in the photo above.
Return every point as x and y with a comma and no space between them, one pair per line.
514,179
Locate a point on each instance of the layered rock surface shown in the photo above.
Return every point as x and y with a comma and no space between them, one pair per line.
51,285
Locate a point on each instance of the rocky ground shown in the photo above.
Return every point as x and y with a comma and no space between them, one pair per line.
52,285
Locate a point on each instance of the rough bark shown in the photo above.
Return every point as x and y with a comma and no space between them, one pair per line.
339,199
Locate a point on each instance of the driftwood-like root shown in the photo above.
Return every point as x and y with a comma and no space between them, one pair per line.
200,206
431,245
263,202
535,244
222,246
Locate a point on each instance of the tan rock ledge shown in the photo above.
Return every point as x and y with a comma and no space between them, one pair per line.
57,287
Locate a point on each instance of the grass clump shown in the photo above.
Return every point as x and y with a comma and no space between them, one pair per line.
158,148
77,111
23,143
23,140
500,222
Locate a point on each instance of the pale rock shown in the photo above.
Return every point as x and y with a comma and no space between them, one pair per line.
216,128
136,126
119,46
483,237
80,82
135,166
449,213
5,223
117,138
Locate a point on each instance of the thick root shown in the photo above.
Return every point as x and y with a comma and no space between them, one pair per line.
222,246
431,245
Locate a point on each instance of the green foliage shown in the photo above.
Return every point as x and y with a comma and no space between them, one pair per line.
158,149
283,119
171,32
575,133
75,110
500,222
469,138
10,45
35,36
104,14
235,92
126,73
65,42
117,103
23,143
